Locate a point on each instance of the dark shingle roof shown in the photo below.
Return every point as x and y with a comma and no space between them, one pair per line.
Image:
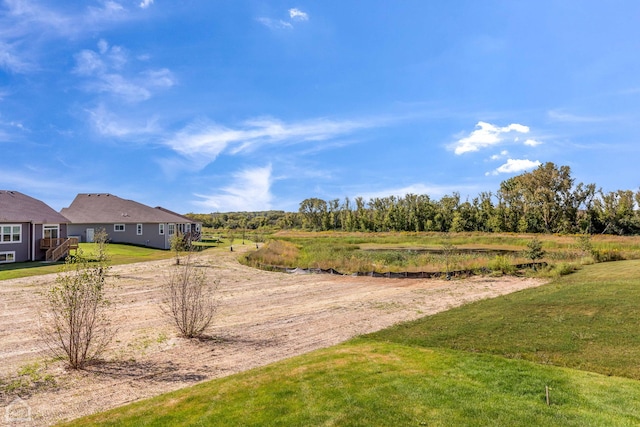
18,207
107,208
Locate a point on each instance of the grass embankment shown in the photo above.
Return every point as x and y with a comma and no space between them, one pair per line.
118,254
462,367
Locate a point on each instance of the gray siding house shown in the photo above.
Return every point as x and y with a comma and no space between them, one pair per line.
30,230
126,221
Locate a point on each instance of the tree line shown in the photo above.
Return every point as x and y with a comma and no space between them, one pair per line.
545,200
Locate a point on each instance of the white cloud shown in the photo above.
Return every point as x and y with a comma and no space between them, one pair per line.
532,142
145,3
105,69
274,24
514,166
298,15
27,28
11,61
486,135
250,191
502,154
203,141
108,124
295,15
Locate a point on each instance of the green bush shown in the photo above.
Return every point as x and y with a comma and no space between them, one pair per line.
606,255
501,264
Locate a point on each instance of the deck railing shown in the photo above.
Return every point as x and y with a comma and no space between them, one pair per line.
58,248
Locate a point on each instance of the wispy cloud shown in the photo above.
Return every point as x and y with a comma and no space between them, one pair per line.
532,142
145,3
204,141
27,27
487,135
108,124
563,116
501,155
11,61
295,15
105,72
298,15
515,166
249,191
274,24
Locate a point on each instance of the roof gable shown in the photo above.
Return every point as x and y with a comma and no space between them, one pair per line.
18,207
106,208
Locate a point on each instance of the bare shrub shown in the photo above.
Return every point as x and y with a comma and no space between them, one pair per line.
190,298
75,325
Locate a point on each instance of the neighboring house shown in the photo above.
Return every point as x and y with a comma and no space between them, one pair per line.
126,221
30,230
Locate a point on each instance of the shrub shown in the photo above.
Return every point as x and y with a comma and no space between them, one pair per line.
190,300
560,269
76,324
606,255
501,264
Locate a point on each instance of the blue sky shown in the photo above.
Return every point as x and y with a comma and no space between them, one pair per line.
231,105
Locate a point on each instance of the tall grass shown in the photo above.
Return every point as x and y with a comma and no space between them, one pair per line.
365,252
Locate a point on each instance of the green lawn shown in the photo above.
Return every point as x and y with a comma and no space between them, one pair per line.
588,320
463,367
119,254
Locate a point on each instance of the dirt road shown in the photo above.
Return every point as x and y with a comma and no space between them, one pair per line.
263,317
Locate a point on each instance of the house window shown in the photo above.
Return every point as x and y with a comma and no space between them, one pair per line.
161,229
7,257
51,231
172,229
11,234
139,229
187,228
118,227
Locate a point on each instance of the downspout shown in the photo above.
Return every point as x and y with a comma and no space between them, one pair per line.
33,241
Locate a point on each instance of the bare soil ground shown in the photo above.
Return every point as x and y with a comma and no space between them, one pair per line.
263,317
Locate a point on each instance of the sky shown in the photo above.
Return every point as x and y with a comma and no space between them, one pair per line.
244,105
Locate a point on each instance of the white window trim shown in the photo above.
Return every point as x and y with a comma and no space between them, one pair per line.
139,229
161,229
11,233
172,229
50,227
115,228
13,256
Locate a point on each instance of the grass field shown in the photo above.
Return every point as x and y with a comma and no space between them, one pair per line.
485,364
118,254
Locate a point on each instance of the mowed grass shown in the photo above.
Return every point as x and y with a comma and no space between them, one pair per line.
366,383
118,254
588,320
462,367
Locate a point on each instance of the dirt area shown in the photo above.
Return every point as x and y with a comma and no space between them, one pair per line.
263,317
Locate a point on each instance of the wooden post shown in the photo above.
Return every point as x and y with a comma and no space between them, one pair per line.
546,391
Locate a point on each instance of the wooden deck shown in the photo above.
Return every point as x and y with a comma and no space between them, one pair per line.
58,248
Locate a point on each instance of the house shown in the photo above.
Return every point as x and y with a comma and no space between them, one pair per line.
127,221
30,230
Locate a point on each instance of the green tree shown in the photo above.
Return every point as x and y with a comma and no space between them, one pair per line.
534,250
312,211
